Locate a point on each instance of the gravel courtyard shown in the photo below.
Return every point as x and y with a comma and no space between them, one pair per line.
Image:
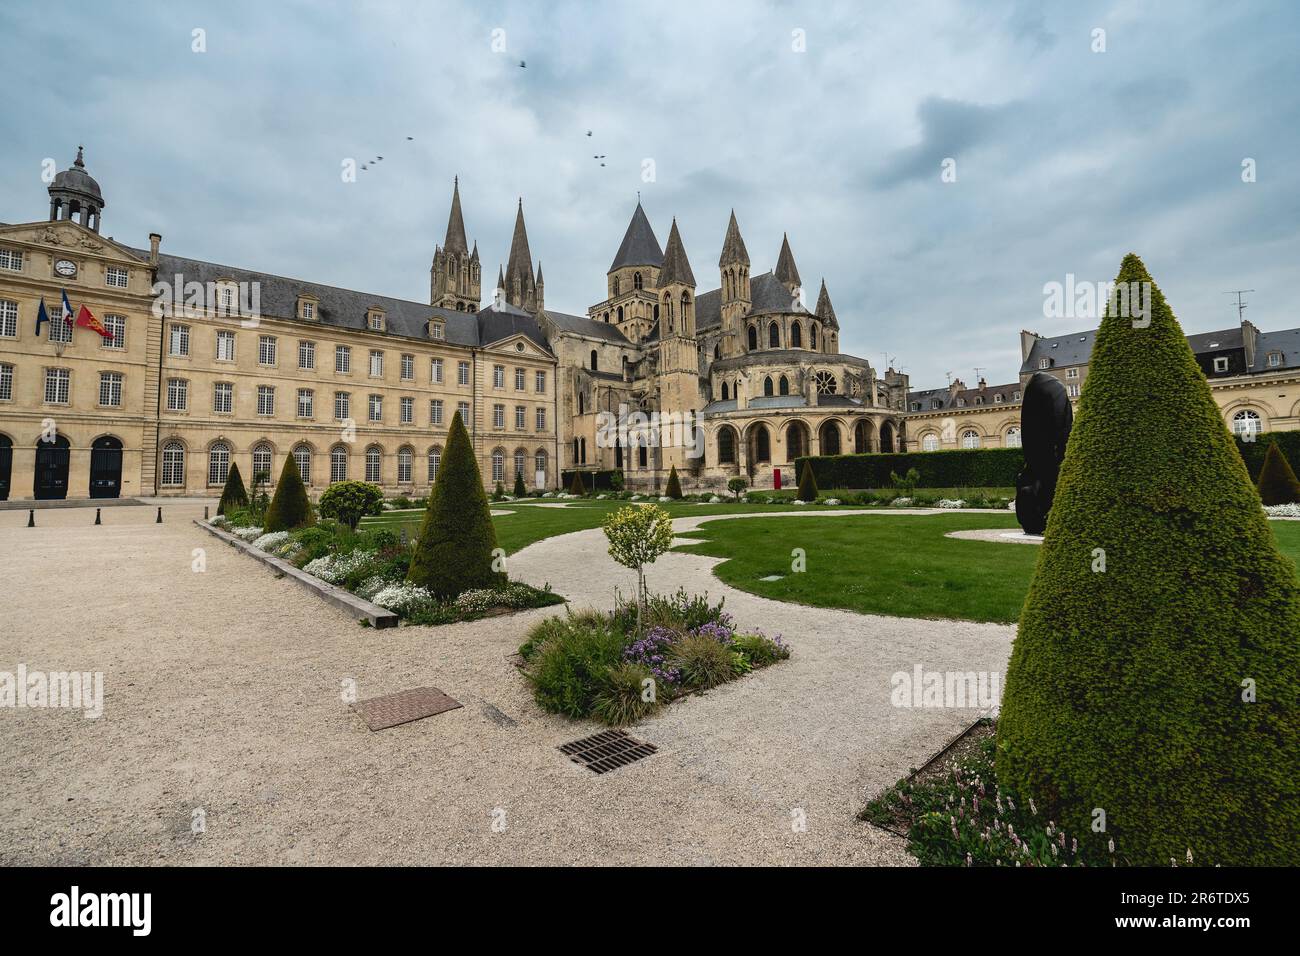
223,693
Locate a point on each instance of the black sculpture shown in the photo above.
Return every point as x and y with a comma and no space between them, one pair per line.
1045,422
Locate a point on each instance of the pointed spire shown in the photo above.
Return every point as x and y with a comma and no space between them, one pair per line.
539,272
639,246
786,270
733,246
825,311
501,278
474,255
520,262
455,242
676,267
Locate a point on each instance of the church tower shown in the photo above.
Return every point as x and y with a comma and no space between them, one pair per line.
734,266
520,282
830,325
788,273
631,302
75,196
679,367
455,278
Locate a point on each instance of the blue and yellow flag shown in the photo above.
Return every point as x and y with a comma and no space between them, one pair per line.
41,316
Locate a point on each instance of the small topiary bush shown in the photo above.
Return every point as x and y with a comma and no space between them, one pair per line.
674,489
349,501
576,487
807,483
290,508
1277,482
737,487
520,491
233,495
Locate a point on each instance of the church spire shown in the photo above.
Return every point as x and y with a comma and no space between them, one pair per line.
520,261
639,246
825,311
733,246
676,267
786,270
455,242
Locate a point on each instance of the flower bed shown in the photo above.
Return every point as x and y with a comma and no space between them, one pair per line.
1283,511
596,664
373,566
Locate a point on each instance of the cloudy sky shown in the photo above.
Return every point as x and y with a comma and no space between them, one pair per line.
829,121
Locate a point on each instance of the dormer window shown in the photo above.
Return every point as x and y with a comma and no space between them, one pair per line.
1015,396
1044,363
437,330
997,398
307,306
375,320
1274,359
961,403
1221,364
979,400
226,303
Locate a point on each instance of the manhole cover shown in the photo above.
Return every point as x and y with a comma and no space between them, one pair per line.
607,750
403,707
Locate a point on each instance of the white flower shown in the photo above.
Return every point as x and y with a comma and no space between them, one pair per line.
402,597
831,501
247,534
951,503
901,502
799,501
268,542
664,498
1011,505
714,500
1283,511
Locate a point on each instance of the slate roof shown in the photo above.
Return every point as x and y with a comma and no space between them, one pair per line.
1076,348
1063,350
584,325
639,247
676,267
346,308
947,400
1216,341
1287,342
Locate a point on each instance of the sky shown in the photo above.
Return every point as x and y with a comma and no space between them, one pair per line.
937,162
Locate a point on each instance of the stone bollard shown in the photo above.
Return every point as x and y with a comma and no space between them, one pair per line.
159,521
31,517
205,512
97,521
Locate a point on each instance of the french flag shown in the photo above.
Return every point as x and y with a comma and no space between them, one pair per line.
67,309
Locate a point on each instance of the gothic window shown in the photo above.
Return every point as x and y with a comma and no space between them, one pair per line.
726,394
636,280
620,313
774,336
762,444
796,336
767,385
726,446
616,285
717,352
593,360
784,387
812,336
753,339
825,383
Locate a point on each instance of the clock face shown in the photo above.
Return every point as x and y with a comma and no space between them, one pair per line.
65,267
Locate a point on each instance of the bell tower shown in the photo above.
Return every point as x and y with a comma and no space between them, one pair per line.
679,365
455,278
75,196
734,266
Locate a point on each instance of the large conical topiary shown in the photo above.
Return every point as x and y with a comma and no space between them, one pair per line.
520,490
289,507
674,488
1156,670
576,487
1277,482
454,550
807,483
233,495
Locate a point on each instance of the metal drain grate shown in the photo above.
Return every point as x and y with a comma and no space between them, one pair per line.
607,750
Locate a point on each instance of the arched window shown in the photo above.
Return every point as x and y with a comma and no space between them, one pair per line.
498,465
970,438
812,335
726,445
686,313
373,458
218,463
642,456
338,464
620,313
726,393
262,461
796,336
593,360
173,464
762,444
616,286
582,404
1246,422
1012,439
930,442
784,387
767,385
753,339
717,352
539,460
774,336
862,438
636,280
521,462
302,458
829,435
656,311
796,441
405,459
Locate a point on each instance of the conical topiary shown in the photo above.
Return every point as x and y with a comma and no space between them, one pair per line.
289,507
520,490
1277,482
576,487
674,489
807,483
233,494
1155,674
454,551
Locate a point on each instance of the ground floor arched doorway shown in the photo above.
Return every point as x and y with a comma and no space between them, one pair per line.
6,465
52,460
106,467
862,437
887,438
829,438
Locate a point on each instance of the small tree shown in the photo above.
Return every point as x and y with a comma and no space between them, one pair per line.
233,494
905,483
674,489
637,535
576,487
455,550
520,490
1277,482
807,483
348,501
499,492
736,486
290,507
616,481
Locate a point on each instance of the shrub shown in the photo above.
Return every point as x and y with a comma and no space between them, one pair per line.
576,487
637,535
615,481
1125,686
954,468
1277,482
906,483
679,612
1254,450
349,501
233,494
807,483
761,651
674,489
737,486
703,661
569,668
520,491
454,550
653,652
290,507
621,699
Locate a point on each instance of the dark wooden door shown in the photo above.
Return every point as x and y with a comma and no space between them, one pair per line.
106,468
52,469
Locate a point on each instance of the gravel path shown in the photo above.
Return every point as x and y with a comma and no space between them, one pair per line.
223,694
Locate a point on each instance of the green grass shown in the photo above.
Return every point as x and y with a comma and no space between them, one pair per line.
898,565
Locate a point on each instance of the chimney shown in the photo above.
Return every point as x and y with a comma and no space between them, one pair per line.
154,241
1027,340
1250,339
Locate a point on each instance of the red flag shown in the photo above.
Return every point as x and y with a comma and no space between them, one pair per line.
86,318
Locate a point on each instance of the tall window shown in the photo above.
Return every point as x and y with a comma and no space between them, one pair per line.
753,339
408,368
266,399
1012,437
306,402
498,466
306,354
376,408
498,416
6,383
218,463
338,464
110,389
540,382
177,394
594,358
541,419
116,277
930,442
60,328
342,358
462,373
178,341
266,350
435,330
767,385
521,418
796,336
435,411
435,371
302,458
372,465
520,380
376,363
8,319
970,439
173,464
463,409
812,336
1245,422
223,398
435,459
342,405
225,346
521,461
498,376
774,336
407,408
262,460
115,326
404,458
539,463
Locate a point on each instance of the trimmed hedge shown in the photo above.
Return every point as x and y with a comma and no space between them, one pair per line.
454,551
958,468
591,480
1277,481
674,489
233,494
1156,672
290,508
1253,452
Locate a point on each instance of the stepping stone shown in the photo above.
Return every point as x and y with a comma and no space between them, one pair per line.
380,713
773,577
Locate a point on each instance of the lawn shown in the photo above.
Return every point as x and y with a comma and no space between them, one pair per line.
898,565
